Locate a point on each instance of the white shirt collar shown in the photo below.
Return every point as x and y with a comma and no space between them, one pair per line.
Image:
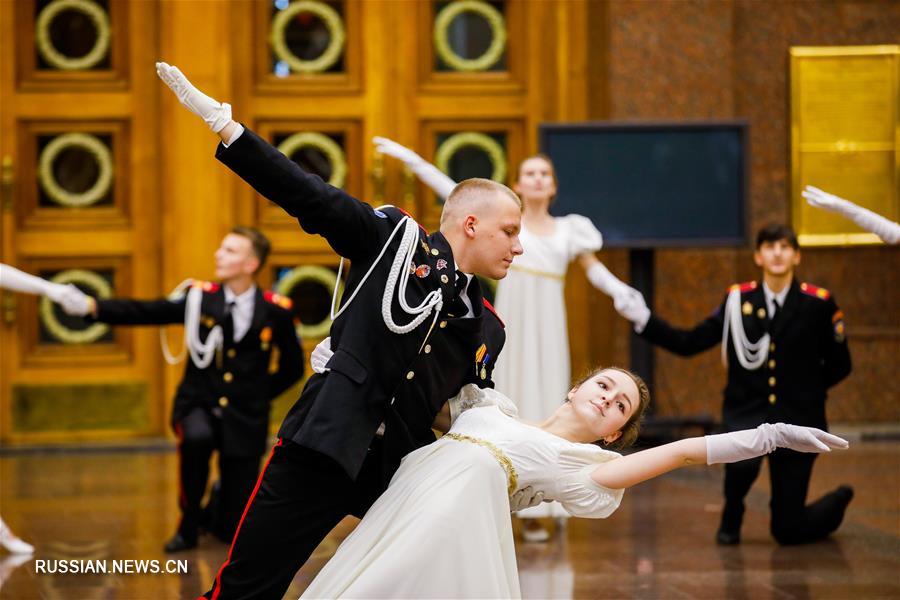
772,297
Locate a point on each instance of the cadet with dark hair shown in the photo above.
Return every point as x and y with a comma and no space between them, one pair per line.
785,345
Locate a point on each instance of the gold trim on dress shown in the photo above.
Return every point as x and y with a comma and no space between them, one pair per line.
537,272
511,476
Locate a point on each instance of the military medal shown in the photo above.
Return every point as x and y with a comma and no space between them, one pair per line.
265,336
425,247
746,308
441,264
422,271
481,359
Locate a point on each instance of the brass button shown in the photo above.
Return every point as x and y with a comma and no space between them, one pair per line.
771,382
772,347
223,401
427,348
444,279
443,324
434,251
771,363
227,377
410,375
231,353
771,398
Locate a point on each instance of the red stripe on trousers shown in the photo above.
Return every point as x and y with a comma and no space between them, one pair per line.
218,587
182,498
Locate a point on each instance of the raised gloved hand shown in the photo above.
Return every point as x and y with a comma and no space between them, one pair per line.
320,356
821,199
525,498
750,443
72,300
631,305
215,114
427,172
887,230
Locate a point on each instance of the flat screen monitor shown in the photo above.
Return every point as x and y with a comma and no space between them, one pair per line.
647,185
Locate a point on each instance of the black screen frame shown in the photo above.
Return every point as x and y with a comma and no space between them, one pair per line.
741,126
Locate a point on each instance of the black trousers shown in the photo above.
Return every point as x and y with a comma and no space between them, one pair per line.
199,436
300,496
793,521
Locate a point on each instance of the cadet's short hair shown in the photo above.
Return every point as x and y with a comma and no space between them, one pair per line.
775,232
261,244
474,190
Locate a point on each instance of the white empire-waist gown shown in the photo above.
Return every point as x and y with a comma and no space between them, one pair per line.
534,367
442,529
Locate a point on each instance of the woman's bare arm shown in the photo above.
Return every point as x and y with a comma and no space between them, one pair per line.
634,468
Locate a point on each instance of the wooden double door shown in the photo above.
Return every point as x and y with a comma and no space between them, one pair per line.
109,183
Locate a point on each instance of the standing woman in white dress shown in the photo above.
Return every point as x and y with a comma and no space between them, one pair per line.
535,368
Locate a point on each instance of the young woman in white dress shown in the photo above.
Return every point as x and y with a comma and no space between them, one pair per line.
442,528
534,369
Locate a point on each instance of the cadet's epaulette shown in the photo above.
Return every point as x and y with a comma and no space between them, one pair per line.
747,286
488,306
813,290
412,217
206,286
279,300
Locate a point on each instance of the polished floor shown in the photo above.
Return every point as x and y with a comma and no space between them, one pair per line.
121,505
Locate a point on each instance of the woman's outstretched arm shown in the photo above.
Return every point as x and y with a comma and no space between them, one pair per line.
722,448
429,174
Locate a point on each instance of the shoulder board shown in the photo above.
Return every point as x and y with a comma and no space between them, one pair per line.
206,286
488,306
277,299
815,291
747,286
411,217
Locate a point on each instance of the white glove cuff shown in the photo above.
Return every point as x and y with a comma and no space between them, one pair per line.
219,118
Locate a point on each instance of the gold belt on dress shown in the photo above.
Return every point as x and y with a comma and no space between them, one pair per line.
511,477
546,274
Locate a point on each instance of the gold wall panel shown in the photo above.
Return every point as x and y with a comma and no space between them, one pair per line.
80,407
844,136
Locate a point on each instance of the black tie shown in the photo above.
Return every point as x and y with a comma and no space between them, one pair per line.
228,323
776,311
458,306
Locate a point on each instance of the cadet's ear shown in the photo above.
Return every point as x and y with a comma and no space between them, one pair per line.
469,226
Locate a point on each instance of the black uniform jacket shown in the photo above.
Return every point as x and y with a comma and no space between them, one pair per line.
376,376
237,384
807,354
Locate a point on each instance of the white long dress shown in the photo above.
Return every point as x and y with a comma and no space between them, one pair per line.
534,367
442,528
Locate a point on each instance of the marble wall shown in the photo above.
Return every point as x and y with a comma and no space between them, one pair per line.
725,59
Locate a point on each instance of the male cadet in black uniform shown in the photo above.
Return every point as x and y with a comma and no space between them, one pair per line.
224,405
414,329
786,346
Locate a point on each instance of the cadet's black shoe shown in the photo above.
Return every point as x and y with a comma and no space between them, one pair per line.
844,493
728,538
178,543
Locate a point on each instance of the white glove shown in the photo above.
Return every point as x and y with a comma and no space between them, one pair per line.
13,544
215,114
606,282
320,356
525,498
750,443
13,279
631,305
884,228
429,174
72,300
